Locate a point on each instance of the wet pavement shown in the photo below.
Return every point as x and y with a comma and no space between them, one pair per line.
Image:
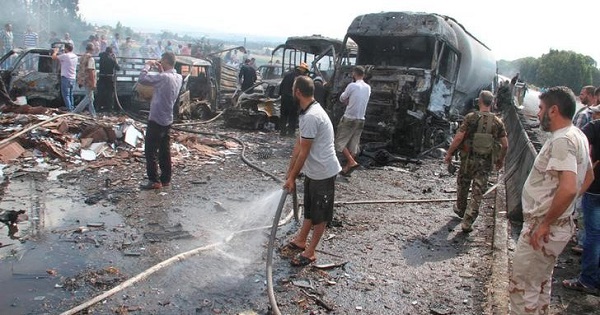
400,251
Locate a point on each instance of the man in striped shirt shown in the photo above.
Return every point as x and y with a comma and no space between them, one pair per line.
30,38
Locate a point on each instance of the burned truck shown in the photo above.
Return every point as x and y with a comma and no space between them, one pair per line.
261,108
425,71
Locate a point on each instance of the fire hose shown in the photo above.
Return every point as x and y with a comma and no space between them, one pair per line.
185,255
276,223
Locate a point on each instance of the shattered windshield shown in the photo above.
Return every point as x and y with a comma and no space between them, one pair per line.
408,51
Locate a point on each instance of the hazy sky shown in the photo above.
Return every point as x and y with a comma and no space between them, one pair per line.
511,28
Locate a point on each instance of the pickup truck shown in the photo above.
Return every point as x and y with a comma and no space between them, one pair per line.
208,83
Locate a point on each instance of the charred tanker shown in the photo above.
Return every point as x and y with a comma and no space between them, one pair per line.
425,70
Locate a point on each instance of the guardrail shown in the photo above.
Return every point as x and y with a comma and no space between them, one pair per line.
519,161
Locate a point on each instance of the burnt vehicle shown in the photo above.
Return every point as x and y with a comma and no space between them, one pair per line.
33,74
226,76
319,52
425,70
198,94
261,108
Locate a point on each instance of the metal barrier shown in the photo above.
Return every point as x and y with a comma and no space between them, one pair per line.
519,161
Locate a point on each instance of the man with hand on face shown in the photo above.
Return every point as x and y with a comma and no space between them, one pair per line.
561,171
167,84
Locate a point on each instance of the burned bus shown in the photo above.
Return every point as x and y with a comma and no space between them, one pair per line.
425,71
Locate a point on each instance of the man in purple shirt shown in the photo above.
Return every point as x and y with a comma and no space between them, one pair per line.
166,84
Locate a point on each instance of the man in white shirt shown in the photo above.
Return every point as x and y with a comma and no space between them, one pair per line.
356,98
68,64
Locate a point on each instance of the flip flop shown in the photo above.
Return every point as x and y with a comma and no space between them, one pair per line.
575,284
347,173
300,260
292,246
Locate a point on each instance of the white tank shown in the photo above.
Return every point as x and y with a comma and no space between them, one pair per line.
477,66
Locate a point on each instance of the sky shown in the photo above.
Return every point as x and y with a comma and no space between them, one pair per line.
511,28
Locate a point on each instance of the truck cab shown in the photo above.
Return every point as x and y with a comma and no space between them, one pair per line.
424,70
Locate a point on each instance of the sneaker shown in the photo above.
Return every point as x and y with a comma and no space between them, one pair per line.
466,228
459,213
467,224
151,186
577,249
165,184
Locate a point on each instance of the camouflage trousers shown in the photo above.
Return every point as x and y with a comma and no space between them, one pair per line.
531,277
473,174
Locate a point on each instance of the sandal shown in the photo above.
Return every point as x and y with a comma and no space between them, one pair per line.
349,171
292,247
300,261
575,284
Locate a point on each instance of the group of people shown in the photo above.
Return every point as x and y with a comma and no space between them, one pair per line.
82,71
564,170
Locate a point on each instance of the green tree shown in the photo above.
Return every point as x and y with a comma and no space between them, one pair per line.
528,69
559,67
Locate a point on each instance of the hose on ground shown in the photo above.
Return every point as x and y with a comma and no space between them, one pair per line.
183,256
177,258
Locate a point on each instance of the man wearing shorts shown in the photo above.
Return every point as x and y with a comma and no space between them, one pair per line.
314,154
355,97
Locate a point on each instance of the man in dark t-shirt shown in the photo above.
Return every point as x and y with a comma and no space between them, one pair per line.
589,278
106,79
247,76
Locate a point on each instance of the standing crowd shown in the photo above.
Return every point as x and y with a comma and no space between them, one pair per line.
564,171
560,198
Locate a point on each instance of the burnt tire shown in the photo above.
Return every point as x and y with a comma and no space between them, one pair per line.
260,120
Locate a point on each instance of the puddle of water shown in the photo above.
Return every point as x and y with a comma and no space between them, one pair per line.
56,238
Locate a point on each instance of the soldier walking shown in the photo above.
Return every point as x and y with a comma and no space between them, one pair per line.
479,133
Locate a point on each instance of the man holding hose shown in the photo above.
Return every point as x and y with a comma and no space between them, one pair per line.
314,154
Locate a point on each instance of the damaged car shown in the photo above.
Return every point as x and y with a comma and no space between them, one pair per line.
32,74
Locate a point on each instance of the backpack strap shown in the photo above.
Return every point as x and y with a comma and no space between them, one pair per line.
488,122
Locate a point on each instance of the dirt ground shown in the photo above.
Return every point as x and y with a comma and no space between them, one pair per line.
91,229
399,250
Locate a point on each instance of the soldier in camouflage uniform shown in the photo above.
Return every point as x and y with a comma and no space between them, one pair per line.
561,171
475,168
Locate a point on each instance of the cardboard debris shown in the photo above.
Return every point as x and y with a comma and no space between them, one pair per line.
206,150
97,143
25,109
88,155
63,127
99,133
211,141
86,142
132,136
10,151
231,145
48,147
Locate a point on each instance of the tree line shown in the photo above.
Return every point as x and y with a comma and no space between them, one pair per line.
557,67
